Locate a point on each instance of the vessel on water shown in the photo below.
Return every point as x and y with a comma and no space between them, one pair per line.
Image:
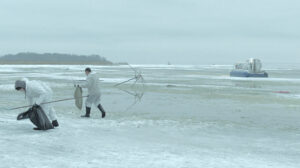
252,68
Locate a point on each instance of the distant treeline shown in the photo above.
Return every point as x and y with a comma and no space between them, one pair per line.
53,58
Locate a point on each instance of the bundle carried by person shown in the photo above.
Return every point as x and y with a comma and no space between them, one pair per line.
37,116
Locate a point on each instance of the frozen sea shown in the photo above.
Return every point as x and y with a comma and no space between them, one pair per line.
183,116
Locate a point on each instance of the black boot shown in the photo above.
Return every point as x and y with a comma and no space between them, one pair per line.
55,123
102,110
36,129
87,112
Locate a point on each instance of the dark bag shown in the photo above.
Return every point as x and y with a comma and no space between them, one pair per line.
37,116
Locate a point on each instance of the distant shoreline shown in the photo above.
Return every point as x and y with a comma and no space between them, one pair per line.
54,63
29,58
61,63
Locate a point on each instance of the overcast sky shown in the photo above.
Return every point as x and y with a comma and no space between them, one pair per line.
155,31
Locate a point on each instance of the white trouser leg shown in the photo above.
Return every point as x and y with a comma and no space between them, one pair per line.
49,111
52,114
88,103
92,99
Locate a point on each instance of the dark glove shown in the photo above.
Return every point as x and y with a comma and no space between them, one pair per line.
24,115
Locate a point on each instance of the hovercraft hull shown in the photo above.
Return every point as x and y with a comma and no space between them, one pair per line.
238,73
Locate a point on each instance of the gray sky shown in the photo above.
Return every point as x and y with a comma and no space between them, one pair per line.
155,31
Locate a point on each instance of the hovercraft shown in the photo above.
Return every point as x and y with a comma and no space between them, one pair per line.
252,68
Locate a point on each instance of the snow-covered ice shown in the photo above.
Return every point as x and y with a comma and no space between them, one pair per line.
226,124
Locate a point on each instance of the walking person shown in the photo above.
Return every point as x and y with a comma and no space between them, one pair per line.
94,94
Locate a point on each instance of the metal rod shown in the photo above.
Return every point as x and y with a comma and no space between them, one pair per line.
125,81
47,103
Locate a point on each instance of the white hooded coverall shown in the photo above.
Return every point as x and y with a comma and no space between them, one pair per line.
94,94
38,93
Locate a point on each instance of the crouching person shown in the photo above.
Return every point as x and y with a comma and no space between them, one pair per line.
38,93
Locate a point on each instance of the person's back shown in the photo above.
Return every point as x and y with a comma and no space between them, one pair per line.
92,84
35,92
47,88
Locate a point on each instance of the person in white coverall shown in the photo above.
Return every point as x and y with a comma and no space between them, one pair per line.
92,84
37,93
